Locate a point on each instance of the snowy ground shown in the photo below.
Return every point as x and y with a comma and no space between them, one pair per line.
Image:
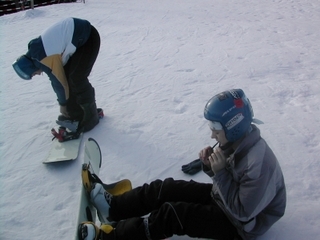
160,62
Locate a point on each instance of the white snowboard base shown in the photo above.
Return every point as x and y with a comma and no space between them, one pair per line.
64,151
93,159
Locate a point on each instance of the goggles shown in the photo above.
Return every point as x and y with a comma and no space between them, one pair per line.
215,125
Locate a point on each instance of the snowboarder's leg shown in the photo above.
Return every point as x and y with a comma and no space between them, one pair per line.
173,218
74,110
194,220
146,198
151,196
90,117
131,229
178,218
77,71
176,207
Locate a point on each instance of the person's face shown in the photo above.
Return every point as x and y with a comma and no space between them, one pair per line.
38,72
219,136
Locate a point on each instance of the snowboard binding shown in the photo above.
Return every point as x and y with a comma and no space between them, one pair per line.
89,179
63,135
100,113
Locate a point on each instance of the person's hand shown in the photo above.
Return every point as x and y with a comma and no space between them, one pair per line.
204,155
217,160
63,111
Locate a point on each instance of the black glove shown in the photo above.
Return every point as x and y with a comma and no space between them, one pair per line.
192,167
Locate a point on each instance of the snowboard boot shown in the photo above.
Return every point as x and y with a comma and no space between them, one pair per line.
71,119
89,231
71,122
79,116
90,117
101,200
75,112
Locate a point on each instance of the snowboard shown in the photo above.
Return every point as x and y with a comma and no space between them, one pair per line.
92,162
91,165
67,148
64,151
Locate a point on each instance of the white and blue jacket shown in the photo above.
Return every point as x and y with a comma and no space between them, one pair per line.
52,49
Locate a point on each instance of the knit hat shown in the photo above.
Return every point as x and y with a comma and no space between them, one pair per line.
24,67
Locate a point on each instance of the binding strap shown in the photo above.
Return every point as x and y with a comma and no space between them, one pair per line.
89,178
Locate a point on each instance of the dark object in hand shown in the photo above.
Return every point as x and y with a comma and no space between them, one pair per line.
192,167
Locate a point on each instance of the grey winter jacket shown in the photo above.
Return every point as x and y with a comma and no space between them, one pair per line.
251,189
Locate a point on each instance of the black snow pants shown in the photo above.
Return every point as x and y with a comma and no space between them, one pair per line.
77,70
171,207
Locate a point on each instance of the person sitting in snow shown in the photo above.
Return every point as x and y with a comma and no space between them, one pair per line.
66,52
246,198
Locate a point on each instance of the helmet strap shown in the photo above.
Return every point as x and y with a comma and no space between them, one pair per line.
226,146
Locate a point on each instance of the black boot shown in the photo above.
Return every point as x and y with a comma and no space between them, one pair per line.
73,117
74,110
90,117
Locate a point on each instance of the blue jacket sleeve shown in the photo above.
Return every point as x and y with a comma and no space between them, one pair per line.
59,90
56,85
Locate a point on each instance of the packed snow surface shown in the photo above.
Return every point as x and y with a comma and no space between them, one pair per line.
159,63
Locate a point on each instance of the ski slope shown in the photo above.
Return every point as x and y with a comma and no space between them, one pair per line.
159,63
